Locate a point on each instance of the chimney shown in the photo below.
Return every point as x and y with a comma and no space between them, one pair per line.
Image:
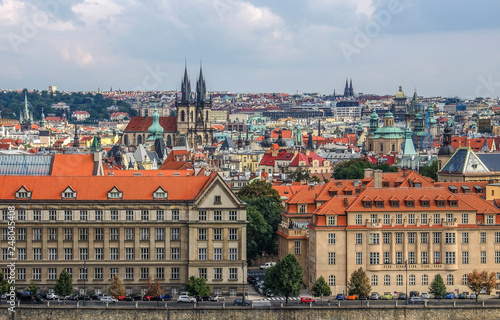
346,202
377,178
368,173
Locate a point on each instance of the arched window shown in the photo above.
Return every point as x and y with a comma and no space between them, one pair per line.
191,116
139,140
449,280
465,280
169,141
393,147
387,280
374,280
411,280
399,280
183,115
425,280
381,147
125,140
331,280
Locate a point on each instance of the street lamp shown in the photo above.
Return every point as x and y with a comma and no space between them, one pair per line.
243,276
406,280
84,278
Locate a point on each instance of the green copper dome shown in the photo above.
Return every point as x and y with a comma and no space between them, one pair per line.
155,130
374,115
388,115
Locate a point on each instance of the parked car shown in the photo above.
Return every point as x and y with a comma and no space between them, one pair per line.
217,298
204,298
340,296
473,296
267,265
251,279
417,300
387,296
426,295
307,300
352,297
124,298
186,298
166,297
402,296
374,296
240,302
149,298
52,296
414,294
462,296
362,297
450,295
108,299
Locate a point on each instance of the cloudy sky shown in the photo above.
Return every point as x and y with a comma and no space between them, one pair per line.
439,47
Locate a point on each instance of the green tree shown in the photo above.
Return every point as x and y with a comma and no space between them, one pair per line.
430,170
63,286
259,189
300,174
32,290
437,287
321,288
271,212
359,284
315,179
385,167
351,169
285,278
198,287
116,288
259,233
4,284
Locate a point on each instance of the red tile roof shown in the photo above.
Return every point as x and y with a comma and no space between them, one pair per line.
142,124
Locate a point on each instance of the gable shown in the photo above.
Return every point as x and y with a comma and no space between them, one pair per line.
217,195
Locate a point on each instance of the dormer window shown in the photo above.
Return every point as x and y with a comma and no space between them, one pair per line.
453,203
385,184
367,204
115,194
394,203
440,203
23,193
410,204
302,208
379,204
160,194
425,203
69,193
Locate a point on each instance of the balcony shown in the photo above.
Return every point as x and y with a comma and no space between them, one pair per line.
449,224
293,232
411,266
376,224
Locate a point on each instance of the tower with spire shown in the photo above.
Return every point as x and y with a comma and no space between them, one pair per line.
26,117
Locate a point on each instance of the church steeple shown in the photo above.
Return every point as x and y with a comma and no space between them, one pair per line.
185,87
346,89
351,90
201,89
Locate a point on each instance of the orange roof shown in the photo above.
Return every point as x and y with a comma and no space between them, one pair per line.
73,165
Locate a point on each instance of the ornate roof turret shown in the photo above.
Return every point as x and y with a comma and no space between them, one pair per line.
155,130
400,94
446,149
185,87
201,89
408,148
96,144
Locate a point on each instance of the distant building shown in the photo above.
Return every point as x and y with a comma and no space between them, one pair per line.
52,88
80,115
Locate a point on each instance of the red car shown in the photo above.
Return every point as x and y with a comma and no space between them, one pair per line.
149,298
308,300
120,298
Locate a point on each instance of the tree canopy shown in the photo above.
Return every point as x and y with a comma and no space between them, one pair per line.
285,278
4,284
300,174
258,189
321,288
359,284
437,287
116,288
64,285
154,288
354,169
198,287
259,233
479,280
32,289
430,170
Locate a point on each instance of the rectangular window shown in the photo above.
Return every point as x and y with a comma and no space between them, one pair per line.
399,218
411,218
52,273
359,258
84,253
482,237
411,280
129,273
144,253
302,208
399,280
449,237
160,215
113,254
217,253
373,218
449,217
411,257
233,234
84,234
424,237
437,257
217,200
144,234
387,257
465,218
52,234
490,219
411,237
217,273
52,253
68,234
175,253
129,215
424,257
5,256
68,215
497,256
386,237
374,258
217,234
129,253
233,215
175,215
399,257
233,273
68,254
160,234
98,215
202,273
175,234
202,253
331,257
21,254
37,215
70,272
483,256
144,215
497,237
437,218
83,274
174,273
217,215
37,254
52,215
359,238
83,215
465,237
449,257
399,237
114,214
37,234
387,280
37,273
233,253
359,219
160,273
202,234
331,238
297,247
21,215
144,273
99,234
129,234
98,273
21,234
387,218
331,220
465,257
423,218
113,234
202,215
437,237
374,238
160,253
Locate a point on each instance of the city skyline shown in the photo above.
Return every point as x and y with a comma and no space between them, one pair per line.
440,49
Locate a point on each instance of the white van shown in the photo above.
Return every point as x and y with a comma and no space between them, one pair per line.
267,265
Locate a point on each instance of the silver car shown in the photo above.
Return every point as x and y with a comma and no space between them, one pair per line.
186,299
